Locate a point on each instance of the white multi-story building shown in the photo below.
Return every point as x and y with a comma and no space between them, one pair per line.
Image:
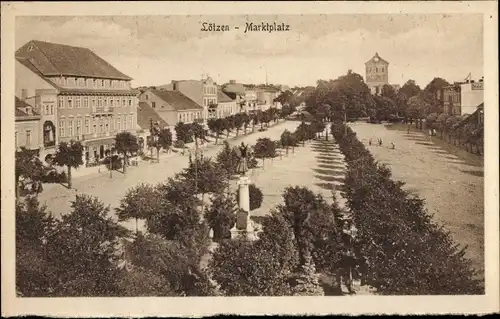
472,95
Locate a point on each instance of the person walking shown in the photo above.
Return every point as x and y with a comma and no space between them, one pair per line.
393,145
370,142
379,142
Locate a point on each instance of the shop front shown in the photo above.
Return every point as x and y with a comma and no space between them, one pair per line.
97,150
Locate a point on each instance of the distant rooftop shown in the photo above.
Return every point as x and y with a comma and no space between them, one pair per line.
52,59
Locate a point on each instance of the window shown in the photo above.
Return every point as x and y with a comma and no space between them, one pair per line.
129,102
95,127
111,124
77,102
111,102
117,102
382,69
78,125
99,101
101,126
87,126
70,128
376,69
93,101
124,122
81,82
28,138
89,83
61,128
63,81
153,104
60,102
130,122
51,109
106,101
85,101
124,102
107,125
46,112
147,97
70,102
118,124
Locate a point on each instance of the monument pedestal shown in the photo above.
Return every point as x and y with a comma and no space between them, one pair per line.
244,226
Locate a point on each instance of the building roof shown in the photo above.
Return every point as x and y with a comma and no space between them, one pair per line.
177,100
145,113
52,59
236,88
376,59
20,109
223,98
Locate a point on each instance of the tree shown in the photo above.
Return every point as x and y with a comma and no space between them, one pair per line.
239,120
184,132
29,172
417,108
70,155
430,94
227,124
256,119
205,175
217,127
221,216
409,89
126,143
264,148
82,249
244,268
228,159
198,131
34,275
286,140
299,204
174,264
165,139
302,133
246,121
139,202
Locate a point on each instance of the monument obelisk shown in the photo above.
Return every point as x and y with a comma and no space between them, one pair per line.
243,225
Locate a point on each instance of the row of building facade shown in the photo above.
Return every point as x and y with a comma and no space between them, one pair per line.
68,93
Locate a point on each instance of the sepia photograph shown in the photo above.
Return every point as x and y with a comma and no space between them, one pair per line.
215,154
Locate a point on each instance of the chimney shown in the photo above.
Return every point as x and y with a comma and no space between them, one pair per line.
28,110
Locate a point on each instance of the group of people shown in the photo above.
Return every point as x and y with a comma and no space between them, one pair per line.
379,142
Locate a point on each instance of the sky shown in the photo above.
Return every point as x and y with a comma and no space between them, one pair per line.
154,50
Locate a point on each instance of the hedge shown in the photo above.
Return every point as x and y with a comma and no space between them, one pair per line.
403,250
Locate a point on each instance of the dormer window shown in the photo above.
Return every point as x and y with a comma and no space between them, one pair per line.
81,82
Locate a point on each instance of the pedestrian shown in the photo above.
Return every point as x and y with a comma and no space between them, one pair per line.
393,145
408,129
370,142
379,142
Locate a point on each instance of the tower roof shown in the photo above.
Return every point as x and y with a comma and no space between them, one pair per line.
376,59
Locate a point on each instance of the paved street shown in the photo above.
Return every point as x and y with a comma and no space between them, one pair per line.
111,190
452,188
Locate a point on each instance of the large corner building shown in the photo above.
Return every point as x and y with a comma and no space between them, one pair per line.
78,95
